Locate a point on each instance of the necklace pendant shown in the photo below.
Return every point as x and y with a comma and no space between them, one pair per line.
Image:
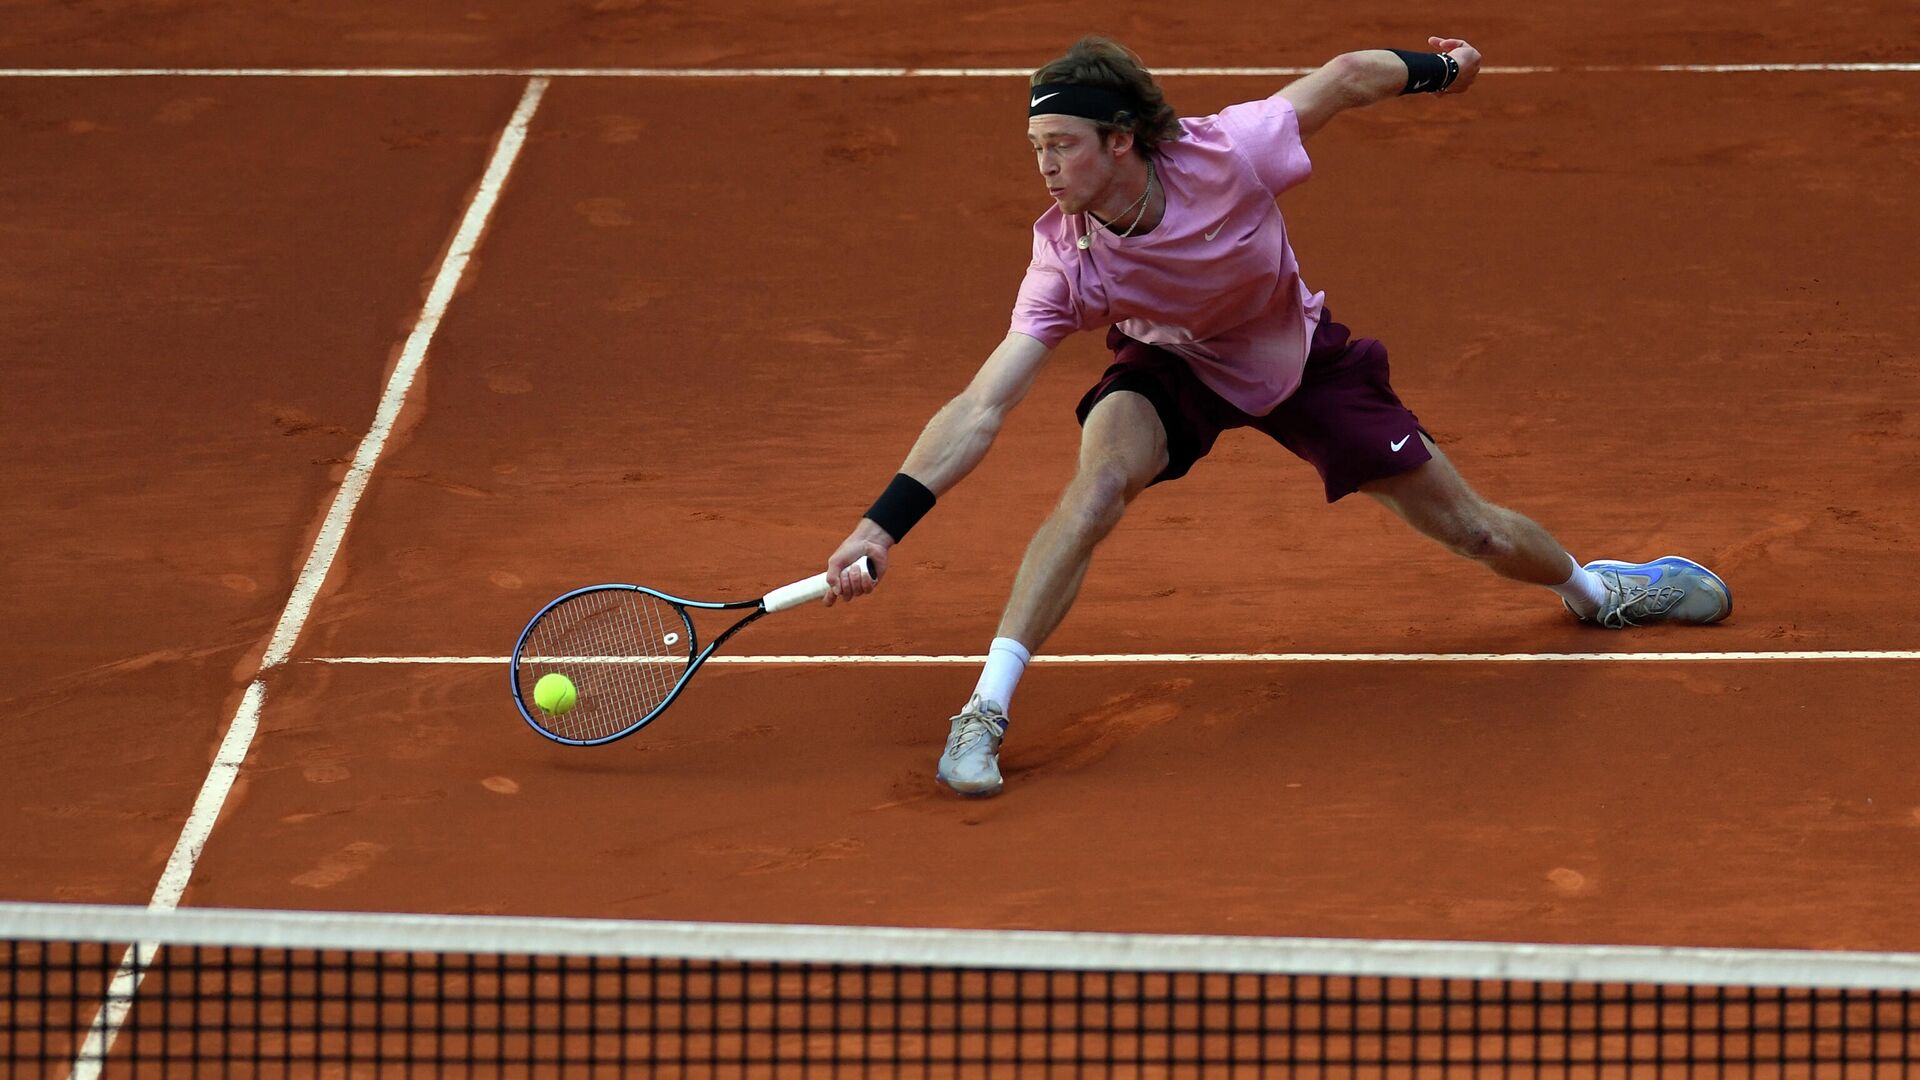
1085,241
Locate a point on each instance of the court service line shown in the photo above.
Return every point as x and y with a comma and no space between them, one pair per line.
246,721
867,72
1186,658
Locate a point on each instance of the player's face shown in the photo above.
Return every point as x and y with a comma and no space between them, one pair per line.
1077,164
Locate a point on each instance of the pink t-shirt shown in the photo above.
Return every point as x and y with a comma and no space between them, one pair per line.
1215,282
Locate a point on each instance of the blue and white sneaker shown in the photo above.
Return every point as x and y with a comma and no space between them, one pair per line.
971,764
1669,589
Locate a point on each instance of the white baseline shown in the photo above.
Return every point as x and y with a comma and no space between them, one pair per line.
865,72
1198,658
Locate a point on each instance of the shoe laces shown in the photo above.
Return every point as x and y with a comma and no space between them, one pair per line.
975,725
1633,603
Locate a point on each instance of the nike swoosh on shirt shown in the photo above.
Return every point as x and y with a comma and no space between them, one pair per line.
1395,446
1042,98
1216,230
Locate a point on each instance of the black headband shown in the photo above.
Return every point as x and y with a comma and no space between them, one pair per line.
1072,99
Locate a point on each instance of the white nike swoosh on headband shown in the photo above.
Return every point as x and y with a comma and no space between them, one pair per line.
1042,98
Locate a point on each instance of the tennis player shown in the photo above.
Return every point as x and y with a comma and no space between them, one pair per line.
1165,233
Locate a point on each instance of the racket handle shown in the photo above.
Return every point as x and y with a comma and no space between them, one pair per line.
806,590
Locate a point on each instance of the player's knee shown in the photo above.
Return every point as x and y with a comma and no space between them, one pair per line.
1478,543
1098,496
1479,536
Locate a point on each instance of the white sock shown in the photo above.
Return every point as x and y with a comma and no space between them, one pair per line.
1584,591
1006,662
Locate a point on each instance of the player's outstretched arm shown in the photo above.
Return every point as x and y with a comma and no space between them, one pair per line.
1354,79
949,447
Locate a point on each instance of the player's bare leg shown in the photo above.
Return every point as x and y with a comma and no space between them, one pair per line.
1122,448
1434,499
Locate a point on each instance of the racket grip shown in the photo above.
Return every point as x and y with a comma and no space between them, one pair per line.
806,590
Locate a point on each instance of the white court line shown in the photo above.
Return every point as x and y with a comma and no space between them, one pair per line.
865,72
333,530
1187,658
246,720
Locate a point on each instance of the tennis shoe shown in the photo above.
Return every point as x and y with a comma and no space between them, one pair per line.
1669,589
970,764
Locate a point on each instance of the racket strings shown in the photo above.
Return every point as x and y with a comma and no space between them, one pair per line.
624,651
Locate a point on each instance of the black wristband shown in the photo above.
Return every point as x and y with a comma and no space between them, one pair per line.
1427,73
901,506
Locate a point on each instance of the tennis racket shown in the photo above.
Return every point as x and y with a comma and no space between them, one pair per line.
629,652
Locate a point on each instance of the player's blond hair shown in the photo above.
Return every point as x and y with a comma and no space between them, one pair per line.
1103,62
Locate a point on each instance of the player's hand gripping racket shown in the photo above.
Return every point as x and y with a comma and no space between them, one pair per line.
623,654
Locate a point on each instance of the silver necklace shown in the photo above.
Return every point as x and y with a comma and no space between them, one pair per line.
1086,238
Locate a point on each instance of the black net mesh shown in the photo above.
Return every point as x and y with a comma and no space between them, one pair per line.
226,1010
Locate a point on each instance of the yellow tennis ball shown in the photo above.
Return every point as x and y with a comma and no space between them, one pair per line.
555,693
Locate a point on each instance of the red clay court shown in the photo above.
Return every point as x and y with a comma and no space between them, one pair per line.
677,287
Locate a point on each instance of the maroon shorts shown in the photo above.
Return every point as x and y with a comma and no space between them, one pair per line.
1344,420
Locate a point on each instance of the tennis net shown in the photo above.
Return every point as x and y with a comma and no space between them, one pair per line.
102,991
